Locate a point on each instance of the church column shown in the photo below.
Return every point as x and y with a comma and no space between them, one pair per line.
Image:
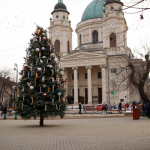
89,84
104,78
90,39
75,85
100,39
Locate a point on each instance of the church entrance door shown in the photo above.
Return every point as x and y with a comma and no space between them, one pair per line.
100,95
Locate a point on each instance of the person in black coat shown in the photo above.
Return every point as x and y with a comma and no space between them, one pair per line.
80,108
5,111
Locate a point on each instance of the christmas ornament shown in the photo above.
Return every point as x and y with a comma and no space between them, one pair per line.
48,89
22,88
43,48
44,85
44,94
44,38
45,107
28,74
53,80
43,33
39,39
44,70
50,66
37,49
37,61
53,88
39,69
28,83
59,94
57,77
31,87
43,57
52,71
32,100
39,54
52,55
38,31
23,97
55,67
52,101
43,79
41,61
47,61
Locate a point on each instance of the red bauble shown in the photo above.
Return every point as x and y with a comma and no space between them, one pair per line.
44,94
63,80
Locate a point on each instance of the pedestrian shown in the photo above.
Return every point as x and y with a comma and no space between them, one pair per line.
2,110
146,106
80,108
148,111
5,111
143,110
120,107
104,110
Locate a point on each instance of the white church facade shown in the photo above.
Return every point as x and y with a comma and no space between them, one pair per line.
91,69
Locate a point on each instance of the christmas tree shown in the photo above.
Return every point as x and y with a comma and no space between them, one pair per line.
41,86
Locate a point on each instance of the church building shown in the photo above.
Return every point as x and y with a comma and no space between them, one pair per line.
92,67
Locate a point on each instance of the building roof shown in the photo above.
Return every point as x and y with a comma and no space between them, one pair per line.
94,10
60,6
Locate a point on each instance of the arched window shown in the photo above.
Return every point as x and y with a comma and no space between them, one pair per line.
80,39
113,40
57,46
68,46
95,36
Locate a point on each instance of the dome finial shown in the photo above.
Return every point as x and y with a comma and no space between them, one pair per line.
60,1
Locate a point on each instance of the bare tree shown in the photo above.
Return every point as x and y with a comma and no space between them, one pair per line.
6,83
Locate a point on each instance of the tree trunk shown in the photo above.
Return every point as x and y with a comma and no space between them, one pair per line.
41,121
143,96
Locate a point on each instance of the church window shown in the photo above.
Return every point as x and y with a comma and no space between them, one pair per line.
72,76
85,75
99,75
57,46
95,36
112,40
68,46
80,39
78,75
57,16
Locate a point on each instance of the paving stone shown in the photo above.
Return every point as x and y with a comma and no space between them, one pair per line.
76,134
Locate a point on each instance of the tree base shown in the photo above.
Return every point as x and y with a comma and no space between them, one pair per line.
41,123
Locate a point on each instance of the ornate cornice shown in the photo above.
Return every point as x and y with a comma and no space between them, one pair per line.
74,68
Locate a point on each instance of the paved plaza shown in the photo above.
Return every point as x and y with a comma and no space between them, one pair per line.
121,133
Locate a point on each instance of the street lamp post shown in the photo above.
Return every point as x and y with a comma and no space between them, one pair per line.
113,83
16,69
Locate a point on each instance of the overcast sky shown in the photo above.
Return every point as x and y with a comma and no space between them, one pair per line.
18,19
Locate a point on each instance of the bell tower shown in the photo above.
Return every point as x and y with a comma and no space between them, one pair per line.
60,31
114,25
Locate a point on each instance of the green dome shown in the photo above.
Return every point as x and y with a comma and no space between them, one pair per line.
94,10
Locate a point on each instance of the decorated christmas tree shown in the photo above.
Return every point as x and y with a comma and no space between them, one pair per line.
41,86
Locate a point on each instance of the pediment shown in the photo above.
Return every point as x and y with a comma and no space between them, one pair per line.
80,55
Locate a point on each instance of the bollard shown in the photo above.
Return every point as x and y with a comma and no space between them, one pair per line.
15,116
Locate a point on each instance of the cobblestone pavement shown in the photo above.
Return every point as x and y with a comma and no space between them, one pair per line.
121,133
